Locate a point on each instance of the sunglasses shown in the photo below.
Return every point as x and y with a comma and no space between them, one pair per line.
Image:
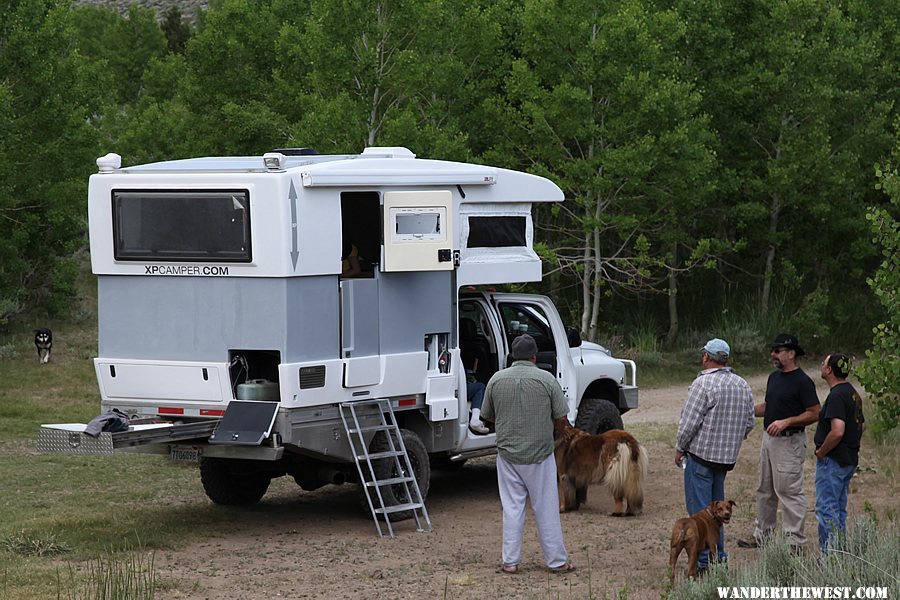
779,350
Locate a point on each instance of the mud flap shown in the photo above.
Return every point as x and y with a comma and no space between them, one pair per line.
245,423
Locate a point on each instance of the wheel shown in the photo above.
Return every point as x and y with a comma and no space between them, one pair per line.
598,415
233,482
386,468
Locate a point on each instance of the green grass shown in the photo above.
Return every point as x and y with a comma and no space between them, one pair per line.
125,575
75,520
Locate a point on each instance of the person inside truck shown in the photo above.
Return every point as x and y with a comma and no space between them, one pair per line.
475,394
350,260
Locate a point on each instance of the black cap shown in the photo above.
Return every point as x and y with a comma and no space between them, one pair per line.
524,347
788,341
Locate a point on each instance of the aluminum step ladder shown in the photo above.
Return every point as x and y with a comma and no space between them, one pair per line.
400,477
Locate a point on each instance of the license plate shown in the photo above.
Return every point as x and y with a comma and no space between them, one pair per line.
185,454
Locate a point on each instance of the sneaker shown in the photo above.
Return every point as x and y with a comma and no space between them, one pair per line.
479,428
748,543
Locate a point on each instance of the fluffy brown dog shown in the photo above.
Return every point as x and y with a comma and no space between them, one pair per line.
614,458
699,532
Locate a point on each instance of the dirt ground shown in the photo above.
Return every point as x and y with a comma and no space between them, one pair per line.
297,544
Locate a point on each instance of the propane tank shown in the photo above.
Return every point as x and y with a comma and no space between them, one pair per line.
258,389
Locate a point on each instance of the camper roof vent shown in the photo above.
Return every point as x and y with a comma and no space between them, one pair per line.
296,151
387,152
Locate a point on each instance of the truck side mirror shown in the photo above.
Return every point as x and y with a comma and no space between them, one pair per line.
574,337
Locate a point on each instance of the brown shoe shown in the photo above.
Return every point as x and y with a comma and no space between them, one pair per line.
562,570
748,543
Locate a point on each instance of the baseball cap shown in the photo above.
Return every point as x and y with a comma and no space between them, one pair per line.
716,346
524,347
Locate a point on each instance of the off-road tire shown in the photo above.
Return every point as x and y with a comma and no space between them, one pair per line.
233,482
385,468
598,415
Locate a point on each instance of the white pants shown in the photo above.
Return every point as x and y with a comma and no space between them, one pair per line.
537,482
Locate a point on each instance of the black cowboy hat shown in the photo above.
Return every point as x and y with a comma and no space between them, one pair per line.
788,341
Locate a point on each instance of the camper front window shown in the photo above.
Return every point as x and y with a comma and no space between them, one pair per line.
202,225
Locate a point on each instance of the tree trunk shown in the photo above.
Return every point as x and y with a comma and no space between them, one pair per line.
770,254
672,334
595,287
586,280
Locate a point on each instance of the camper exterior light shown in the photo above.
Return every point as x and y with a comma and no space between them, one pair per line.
274,161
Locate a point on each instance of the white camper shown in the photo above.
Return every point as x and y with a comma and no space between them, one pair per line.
229,336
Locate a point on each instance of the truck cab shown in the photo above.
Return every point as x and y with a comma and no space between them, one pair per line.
587,372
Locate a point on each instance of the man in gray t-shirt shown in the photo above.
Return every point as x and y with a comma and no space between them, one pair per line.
525,403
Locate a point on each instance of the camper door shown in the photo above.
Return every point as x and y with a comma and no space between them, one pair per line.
418,231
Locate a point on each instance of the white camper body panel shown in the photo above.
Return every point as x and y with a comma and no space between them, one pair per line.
295,221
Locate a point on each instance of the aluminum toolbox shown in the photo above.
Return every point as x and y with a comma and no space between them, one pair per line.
69,438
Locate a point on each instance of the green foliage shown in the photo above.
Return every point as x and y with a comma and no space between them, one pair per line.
880,374
47,145
710,152
176,30
122,46
28,544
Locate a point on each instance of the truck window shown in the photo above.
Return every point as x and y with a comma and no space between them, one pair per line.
523,318
191,225
527,318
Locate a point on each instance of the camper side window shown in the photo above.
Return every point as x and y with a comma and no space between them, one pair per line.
209,226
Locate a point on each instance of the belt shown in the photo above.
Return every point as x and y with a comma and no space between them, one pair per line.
788,432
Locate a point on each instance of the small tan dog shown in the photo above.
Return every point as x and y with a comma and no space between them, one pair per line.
698,532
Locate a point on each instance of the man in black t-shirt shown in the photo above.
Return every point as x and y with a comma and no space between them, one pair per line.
789,406
838,434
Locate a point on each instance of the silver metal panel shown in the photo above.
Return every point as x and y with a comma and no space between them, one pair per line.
359,328
628,397
66,441
403,323
200,318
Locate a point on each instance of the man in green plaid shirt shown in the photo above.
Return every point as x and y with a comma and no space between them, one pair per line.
525,403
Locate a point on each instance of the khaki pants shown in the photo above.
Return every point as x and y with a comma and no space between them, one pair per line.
781,481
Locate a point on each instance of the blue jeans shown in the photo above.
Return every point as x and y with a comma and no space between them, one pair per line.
702,485
832,484
475,393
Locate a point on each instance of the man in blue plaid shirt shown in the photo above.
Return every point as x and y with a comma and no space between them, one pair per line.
715,421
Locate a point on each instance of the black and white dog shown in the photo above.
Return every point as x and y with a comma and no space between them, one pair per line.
43,341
